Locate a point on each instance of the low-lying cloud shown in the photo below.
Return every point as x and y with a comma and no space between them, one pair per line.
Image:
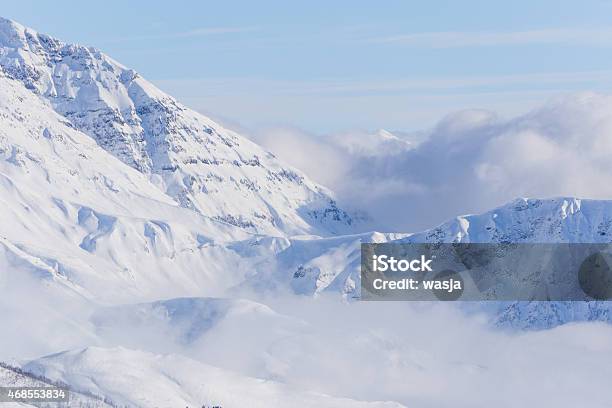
471,161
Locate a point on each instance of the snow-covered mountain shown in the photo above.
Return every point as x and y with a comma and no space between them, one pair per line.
157,259
333,264
558,220
196,161
309,267
86,233
312,266
564,219
74,215
380,143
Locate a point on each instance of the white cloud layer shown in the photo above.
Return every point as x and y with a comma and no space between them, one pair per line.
471,161
419,354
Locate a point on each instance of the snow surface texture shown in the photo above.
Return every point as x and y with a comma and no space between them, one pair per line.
15,377
174,381
193,159
133,259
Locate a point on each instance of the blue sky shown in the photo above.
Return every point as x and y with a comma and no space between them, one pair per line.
330,66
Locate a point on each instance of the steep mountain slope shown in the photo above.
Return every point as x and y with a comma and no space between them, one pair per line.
193,159
75,216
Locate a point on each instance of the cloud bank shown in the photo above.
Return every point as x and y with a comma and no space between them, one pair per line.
471,161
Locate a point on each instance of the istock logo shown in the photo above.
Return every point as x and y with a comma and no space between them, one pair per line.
383,263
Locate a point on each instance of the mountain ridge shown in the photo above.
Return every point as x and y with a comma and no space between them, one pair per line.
196,161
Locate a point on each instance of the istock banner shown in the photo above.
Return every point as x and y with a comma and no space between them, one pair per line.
501,271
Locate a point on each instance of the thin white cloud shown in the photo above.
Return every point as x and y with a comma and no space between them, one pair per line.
457,39
204,31
555,80
194,33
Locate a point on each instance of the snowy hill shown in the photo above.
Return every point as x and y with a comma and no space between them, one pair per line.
136,378
15,377
188,156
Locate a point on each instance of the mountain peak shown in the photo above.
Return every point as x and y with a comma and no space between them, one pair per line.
198,162
12,34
